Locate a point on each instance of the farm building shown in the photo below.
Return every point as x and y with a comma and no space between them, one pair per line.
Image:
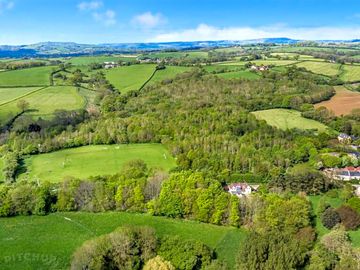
259,68
344,138
241,189
344,174
108,65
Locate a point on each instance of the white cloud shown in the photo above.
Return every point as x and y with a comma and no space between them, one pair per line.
92,5
207,32
6,5
107,18
148,20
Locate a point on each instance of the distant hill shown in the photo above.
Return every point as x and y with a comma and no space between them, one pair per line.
45,49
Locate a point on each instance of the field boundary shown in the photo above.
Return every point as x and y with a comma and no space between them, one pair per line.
25,95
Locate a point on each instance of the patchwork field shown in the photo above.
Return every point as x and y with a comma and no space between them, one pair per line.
288,119
343,102
351,73
130,77
44,102
86,60
38,76
48,242
323,68
94,160
168,73
9,94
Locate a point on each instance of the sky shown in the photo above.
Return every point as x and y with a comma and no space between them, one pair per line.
125,21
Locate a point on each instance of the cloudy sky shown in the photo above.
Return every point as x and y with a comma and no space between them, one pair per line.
112,21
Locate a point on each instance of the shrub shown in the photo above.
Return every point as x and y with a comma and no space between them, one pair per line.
158,263
349,217
354,203
330,218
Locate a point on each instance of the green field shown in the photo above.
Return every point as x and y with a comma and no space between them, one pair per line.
351,73
39,76
245,74
323,68
44,102
130,77
48,242
86,60
94,160
168,73
9,94
288,119
188,54
273,62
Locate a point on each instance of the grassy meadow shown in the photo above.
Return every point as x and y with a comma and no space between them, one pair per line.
168,73
9,94
288,119
86,60
94,160
130,77
38,76
45,102
323,68
48,242
351,73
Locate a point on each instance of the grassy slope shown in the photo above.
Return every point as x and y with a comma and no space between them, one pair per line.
288,119
351,73
94,160
26,77
51,240
8,94
130,77
168,73
85,60
44,102
323,68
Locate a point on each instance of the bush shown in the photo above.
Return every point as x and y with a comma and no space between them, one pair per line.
185,254
349,217
330,218
354,203
158,263
128,249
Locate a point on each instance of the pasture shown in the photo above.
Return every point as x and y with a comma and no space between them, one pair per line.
323,68
351,73
86,161
343,102
47,242
168,73
38,76
130,77
288,119
45,102
9,94
86,60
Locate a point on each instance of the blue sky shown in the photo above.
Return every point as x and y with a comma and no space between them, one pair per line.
109,21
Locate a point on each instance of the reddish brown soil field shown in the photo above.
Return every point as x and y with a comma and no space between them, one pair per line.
343,102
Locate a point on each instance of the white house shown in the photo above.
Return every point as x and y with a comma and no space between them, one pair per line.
241,189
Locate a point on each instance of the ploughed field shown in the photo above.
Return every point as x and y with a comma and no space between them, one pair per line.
47,242
343,102
86,161
288,119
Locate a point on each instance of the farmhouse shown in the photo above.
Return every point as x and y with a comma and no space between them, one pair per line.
241,189
259,68
344,138
344,174
108,65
